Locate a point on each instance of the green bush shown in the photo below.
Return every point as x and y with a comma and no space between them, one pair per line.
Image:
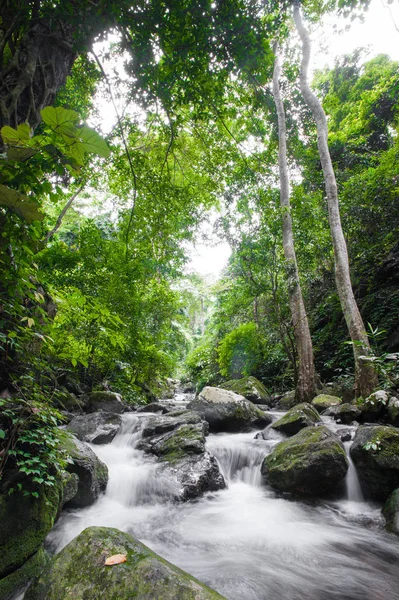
240,352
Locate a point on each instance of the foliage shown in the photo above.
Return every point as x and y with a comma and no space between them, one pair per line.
240,352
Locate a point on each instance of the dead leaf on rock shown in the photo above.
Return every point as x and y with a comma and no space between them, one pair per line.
116,559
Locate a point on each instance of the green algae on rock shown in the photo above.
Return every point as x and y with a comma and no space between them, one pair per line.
14,583
323,401
249,387
312,462
78,572
297,418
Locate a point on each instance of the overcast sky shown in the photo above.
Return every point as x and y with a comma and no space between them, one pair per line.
378,33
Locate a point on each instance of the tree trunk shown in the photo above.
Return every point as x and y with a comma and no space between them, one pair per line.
365,376
305,387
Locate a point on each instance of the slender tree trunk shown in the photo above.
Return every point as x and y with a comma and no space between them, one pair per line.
365,376
305,387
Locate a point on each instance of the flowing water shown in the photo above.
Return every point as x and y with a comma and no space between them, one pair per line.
245,541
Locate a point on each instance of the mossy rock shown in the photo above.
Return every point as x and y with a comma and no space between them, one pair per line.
375,407
288,400
249,387
106,402
24,523
313,462
92,473
375,453
186,439
297,418
226,411
390,511
323,401
14,583
78,572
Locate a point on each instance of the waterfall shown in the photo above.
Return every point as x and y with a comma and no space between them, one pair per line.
353,488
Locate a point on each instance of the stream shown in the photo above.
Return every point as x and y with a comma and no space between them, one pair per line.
246,541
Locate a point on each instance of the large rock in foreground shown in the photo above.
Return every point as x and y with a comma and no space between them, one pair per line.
92,473
249,387
78,572
96,428
178,439
312,462
227,411
297,418
375,453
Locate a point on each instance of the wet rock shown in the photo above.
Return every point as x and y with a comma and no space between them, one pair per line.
312,462
96,428
153,407
78,572
297,418
92,473
343,413
106,402
323,401
375,453
390,511
249,387
162,424
287,401
227,411
70,486
345,435
15,582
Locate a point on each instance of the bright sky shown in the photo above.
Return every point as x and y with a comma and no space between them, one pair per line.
378,33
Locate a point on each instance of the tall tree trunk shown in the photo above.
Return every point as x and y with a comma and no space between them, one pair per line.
365,376
305,387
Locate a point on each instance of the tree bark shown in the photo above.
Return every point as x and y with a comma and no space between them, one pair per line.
305,387
365,375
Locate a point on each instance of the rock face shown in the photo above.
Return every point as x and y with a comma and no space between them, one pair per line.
96,428
92,473
249,387
178,439
312,462
106,402
24,523
375,453
227,411
297,418
390,510
78,572
322,401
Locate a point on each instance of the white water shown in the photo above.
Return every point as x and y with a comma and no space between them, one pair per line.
245,541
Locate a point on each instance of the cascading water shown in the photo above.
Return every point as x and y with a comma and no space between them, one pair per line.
353,488
245,541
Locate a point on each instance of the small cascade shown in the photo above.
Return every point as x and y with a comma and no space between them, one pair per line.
239,456
353,488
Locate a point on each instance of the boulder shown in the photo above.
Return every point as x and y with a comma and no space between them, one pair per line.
342,390
297,418
78,572
249,387
96,428
312,462
15,582
227,411
390,511
393,411
24,523
179,442
70,486
344,413
375,453
375,407
152,407
92,473
106,402
323,401
288,400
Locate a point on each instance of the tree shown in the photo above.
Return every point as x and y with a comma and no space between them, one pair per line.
365,375
305,386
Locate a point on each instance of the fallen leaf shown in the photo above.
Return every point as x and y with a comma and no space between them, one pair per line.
116,559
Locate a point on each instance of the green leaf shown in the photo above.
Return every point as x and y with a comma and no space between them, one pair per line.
20,204
61,120
2,434
93,142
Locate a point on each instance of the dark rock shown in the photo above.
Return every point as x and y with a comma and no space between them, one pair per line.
153,407
393,411
96,428
106,402
390,511
312,462
163,424
287,401
374,408
344,413
227,411
345,435
375,453
249,387
92,473
16,581
297,418
78,572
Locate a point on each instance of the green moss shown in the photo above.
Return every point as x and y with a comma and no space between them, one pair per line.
16,581
187,439
249,387
300,411
323,401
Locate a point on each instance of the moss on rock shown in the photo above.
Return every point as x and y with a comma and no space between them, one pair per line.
15,582
297,418
78,572
323,401
249,387
312,462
